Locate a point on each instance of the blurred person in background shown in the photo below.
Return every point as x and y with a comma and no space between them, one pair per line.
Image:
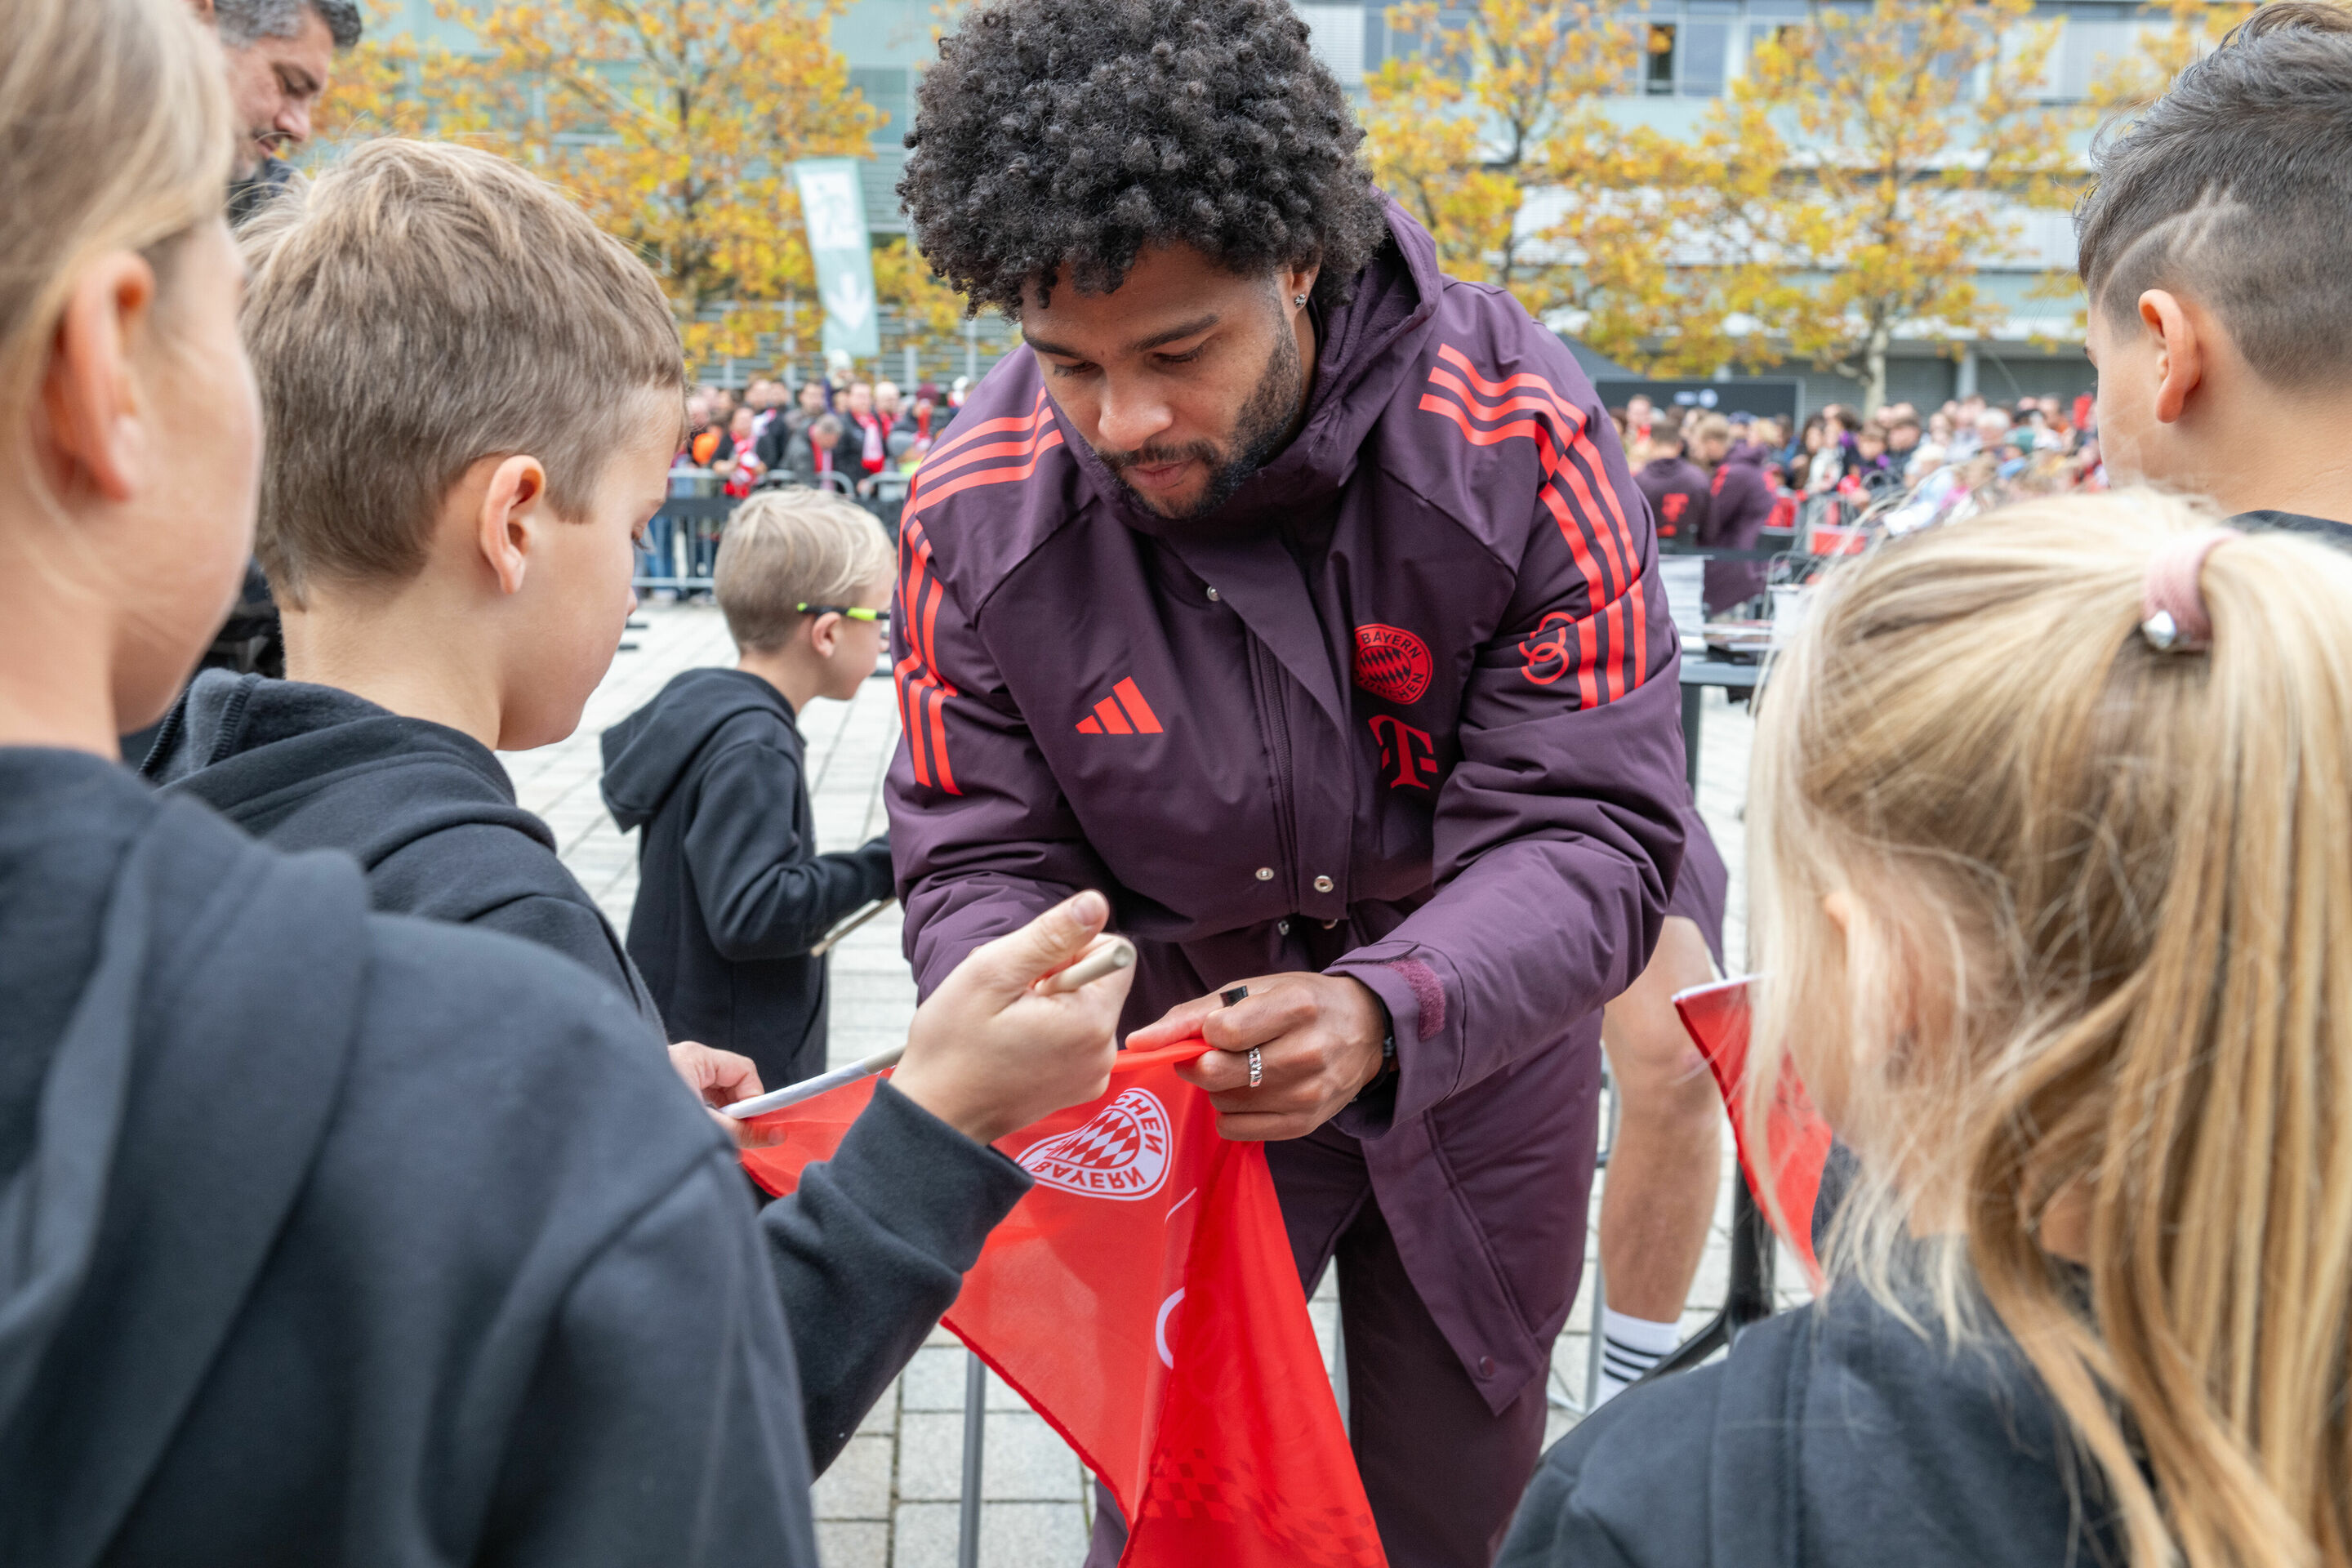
869,433
929,417
1675,488
1640,415
280,55
1902,437
809,457
743,467
790,427
1740,503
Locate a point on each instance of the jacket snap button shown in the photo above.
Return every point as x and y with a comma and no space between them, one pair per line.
1322,884
1485,1366
1265,873
1283,927
1212,595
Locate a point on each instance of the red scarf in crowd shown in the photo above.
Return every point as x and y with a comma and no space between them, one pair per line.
1143,1299
877,449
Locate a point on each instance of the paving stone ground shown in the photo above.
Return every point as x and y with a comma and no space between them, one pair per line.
892,1498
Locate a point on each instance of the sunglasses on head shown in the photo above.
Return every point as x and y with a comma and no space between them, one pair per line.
879,617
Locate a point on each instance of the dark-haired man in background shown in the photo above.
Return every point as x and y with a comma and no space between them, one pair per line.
279,53
1675,488
2214,249
1297,596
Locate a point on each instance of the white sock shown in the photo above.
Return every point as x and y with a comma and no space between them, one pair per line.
1630,1346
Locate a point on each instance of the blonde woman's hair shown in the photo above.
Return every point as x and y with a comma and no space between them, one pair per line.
2100,943
792,547
420,307
114,135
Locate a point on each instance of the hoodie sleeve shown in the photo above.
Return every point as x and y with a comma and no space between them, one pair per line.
662,1424
1558,835
873,1246
762,894
984,838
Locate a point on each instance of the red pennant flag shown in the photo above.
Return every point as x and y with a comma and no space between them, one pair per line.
1142,1298
1799,1139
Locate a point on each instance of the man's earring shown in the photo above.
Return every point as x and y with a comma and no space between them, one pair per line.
1298,299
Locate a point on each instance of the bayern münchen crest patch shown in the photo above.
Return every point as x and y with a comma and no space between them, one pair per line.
1121,1154
1393,663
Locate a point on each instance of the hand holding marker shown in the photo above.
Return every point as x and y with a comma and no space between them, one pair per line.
1108,955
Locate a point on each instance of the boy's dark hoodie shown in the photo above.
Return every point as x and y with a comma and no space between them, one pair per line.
732,893
283,1181
426,810
337,1237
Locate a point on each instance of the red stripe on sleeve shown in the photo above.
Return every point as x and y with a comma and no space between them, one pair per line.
940,742
1461,362
1045,443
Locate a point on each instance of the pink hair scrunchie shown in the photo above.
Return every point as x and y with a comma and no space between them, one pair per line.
2171,601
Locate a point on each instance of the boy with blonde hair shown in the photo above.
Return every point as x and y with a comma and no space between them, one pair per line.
732,893
472,395
470,398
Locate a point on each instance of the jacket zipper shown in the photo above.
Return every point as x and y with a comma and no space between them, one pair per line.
1273,727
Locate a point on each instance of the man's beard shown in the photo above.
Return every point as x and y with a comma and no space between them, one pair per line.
1260,431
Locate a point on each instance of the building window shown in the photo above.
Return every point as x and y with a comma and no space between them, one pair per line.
1658,70
886,89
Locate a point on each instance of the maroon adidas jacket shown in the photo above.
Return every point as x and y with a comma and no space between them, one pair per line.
1677,491
1736,513
1404,709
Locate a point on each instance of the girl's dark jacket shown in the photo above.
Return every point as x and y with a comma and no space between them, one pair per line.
1404,709
1833,1437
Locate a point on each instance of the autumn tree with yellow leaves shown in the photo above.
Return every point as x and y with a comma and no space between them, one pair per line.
1869,162
675,122
1494,133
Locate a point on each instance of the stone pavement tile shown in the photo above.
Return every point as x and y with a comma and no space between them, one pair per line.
858,1485
930,1455
934,1381
843,1545
1012,1536
1024,1460
884,1417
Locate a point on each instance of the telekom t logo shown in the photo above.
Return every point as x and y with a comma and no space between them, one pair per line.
1406,754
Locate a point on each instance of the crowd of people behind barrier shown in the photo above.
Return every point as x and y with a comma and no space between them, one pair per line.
831,432
1894,468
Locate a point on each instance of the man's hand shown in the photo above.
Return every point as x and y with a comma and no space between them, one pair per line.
1318,1040
987,1054
721,1078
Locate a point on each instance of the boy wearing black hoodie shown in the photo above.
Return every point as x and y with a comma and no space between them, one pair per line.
446,522
731,894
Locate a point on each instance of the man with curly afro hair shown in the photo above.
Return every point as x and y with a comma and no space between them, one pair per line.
1298,597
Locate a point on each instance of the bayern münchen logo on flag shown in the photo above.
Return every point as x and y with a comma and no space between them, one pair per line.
1121,1154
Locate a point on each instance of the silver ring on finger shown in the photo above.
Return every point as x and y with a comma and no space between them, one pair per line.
1257,1069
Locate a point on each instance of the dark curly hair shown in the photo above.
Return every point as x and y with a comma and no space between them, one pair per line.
1072,134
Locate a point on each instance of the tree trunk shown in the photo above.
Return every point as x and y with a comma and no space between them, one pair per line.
1874,393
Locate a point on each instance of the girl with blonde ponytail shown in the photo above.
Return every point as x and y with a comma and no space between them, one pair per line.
2052,813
